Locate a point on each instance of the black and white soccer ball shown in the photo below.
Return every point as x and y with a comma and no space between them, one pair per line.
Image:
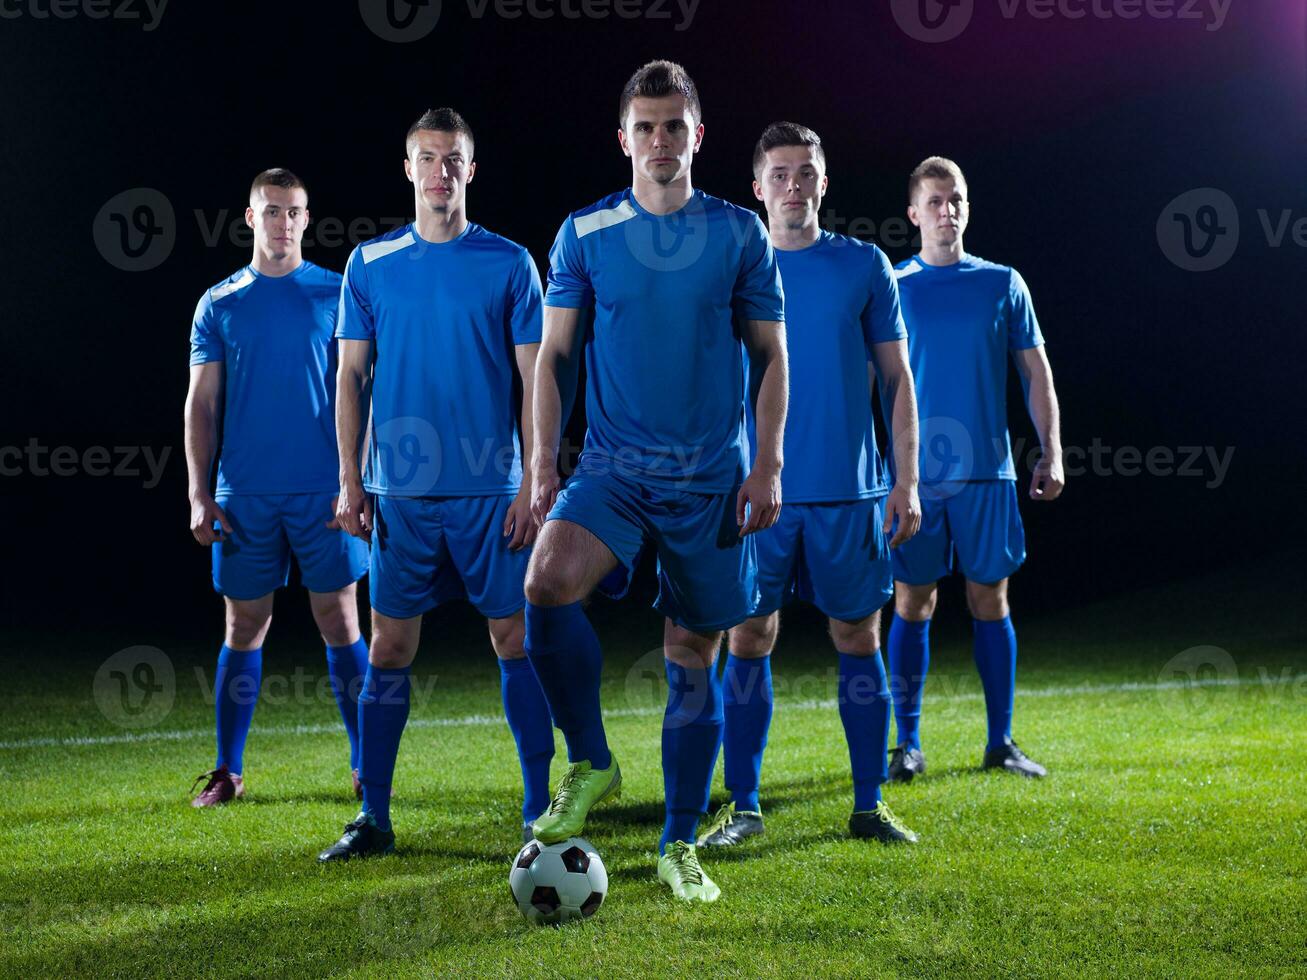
557,883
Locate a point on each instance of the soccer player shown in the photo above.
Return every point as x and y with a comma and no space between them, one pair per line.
677,280
964,317
437,320
261,345
829,546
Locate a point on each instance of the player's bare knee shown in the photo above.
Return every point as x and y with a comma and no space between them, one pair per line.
915,603
858,638
336,616
394,641
548,582
755,638
988,601
688,648
248,622
508,637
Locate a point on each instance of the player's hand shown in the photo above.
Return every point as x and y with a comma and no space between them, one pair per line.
544,490
205,512
519,524
904,505
761,494
354,510
1047,481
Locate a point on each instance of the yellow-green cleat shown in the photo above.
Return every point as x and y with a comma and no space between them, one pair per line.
582,788
680,869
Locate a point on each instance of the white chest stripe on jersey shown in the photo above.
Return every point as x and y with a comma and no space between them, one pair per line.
375,250
596,220
226,289
907,270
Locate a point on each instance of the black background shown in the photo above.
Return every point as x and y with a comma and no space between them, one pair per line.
1075,135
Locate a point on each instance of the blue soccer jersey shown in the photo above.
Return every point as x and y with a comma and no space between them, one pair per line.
840,300
665,390
274,337
963,320
446,318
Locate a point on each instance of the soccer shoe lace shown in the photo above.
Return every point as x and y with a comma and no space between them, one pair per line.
213,775
886,816
686,862
568,789
721,820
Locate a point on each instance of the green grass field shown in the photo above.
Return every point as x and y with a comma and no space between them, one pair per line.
1170,838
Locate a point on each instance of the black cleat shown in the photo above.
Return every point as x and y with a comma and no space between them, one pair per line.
904,763
880,824
1012,759
362,838
731,826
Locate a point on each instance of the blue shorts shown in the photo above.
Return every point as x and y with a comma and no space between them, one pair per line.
428,550
706,571
832,555
267,529
978,520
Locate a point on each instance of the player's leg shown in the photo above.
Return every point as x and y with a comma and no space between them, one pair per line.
991,546
591,530
331,562
527,714
747,711
248,567
918,564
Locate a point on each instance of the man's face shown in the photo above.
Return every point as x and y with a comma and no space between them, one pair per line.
791,186
278,216
940,210
661,136
440,167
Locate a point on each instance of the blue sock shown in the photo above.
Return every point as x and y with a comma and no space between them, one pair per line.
692,734
996,658
533,731
747,707
346,667
236,691
909,660
564,652
383,712
864,710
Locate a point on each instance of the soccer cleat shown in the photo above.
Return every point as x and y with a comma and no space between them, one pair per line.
880,824
731,826
222,787
362,838
904,763
1012,759
581,789
679,868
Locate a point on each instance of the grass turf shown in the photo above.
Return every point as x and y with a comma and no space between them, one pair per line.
1168,840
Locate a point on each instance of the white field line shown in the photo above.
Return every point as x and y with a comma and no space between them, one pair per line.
132,738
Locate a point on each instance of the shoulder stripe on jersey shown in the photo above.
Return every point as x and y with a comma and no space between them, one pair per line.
375,250
907,270
598,220
227,288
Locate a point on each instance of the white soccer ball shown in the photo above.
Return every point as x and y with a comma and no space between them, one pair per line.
557,883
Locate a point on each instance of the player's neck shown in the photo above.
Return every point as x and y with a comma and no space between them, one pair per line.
789,239
659,198
275,267
438,227
942,254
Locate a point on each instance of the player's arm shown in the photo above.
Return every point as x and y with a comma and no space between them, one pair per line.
353,401
890,363
1047,481
201,443
556,371
519,526
769,390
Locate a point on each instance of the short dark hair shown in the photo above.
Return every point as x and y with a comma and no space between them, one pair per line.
934,168
656,80
277,177
443,120
785,134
